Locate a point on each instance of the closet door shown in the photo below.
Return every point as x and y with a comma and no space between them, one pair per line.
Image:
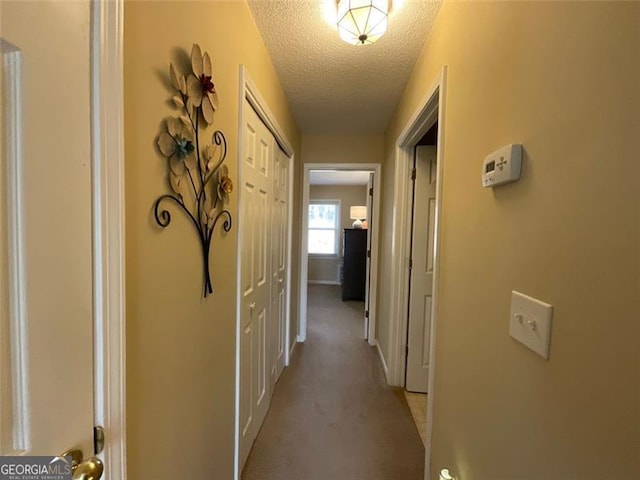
256,197
279,259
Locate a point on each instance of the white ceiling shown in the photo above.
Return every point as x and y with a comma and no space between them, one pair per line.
335,177
334,87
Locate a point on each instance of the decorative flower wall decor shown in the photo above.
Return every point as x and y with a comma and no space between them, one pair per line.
199,180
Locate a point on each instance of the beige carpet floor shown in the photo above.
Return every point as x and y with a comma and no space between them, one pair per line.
332,415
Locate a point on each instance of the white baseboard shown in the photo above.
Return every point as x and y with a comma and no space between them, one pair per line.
383,362
324,282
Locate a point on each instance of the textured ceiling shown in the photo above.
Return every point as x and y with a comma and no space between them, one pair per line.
335,177
334,87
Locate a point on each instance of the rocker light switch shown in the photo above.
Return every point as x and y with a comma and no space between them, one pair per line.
530,323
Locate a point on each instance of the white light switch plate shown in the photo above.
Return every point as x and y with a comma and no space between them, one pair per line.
530,322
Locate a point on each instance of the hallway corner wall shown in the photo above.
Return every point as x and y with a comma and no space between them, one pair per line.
386,239
561,78
180,347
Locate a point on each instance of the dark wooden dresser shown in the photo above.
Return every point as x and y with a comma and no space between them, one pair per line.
354,267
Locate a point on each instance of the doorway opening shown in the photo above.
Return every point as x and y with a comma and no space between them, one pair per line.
323,244
429,112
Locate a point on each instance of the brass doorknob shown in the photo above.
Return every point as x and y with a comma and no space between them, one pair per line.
89,469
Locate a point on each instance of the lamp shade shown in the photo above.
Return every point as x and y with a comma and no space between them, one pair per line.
358,213
362,22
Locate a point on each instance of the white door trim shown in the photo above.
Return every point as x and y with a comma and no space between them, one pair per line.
430,110
304,251
249,91
108,230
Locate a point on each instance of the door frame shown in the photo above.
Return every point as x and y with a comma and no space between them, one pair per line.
304,247
107,131
429,110
249,91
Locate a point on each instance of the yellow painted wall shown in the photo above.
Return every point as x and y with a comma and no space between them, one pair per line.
563,79
180,347
386,239
357,148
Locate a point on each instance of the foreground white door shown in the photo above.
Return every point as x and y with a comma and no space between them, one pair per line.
46,351
279,267
255,248
422,250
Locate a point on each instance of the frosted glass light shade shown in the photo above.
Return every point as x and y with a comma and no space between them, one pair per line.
444,475
362,22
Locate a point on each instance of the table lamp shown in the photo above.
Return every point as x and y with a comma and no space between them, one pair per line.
358,213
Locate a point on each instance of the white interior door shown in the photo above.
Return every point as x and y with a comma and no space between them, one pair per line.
279,267
46,352
422,251
255,248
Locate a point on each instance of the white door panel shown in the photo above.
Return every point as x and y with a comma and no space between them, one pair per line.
49,369
279,273
248,241
255,308
261,365
422,255
246,362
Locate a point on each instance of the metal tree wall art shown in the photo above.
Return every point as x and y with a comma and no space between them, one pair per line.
199,180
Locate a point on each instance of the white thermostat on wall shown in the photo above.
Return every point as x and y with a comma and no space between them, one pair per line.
502,166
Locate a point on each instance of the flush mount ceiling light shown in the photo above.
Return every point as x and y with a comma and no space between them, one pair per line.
362,22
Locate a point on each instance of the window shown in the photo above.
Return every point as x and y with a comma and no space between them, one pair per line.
324,224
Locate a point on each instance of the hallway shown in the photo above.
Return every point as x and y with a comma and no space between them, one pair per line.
332,415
